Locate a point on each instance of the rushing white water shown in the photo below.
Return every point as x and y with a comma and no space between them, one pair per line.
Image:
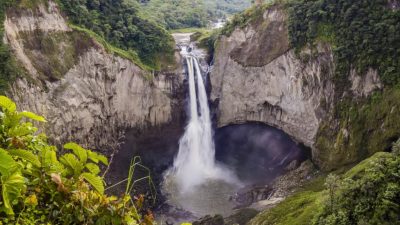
195,162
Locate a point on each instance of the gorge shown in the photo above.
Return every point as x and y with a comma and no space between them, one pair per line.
239,121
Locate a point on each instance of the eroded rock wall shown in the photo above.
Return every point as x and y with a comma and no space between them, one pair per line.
257,77
98,98
285,92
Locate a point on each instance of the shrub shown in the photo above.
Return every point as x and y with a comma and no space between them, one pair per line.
39,185
369,193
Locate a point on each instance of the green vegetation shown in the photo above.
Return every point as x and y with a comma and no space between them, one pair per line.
173,14
28,4
226,8
177,14
118,22
298,209
40,186
368,193
8,68
241,20
364,35
126,54
365,126
205,38
53,54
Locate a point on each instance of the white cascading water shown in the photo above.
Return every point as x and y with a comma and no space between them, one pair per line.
196,182
195,162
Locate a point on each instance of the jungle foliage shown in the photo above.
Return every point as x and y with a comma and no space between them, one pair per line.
364,34
369,193
8,68
39,185
174,14
177,14
118,21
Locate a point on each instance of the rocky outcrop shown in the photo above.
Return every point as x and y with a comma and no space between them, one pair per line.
45,18
363,86
288,90
272,26
98,98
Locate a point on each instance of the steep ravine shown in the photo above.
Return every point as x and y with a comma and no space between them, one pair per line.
258,77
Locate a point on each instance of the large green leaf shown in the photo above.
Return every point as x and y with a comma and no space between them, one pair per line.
72,163
50,162
93,168
95,157
7,163
78,151
95,181
7,104
12,187
32,116
26,155
22,130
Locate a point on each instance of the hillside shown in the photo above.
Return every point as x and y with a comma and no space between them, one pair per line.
185,13
119,23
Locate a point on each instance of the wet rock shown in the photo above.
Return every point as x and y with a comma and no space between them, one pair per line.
286,184
293,165
249,195
210,220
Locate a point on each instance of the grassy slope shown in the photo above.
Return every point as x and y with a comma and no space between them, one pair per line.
298,209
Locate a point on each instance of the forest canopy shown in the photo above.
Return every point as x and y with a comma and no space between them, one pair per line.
176,14
118,21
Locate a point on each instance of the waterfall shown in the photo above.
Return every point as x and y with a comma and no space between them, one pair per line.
195,162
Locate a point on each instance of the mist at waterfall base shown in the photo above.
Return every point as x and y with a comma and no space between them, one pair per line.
256,152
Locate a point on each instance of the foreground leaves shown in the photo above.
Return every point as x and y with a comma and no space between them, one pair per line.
38,186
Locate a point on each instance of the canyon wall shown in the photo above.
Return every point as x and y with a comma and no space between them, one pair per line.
86,93
258,77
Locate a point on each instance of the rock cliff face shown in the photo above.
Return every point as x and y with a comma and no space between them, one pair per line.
257,77
93,99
